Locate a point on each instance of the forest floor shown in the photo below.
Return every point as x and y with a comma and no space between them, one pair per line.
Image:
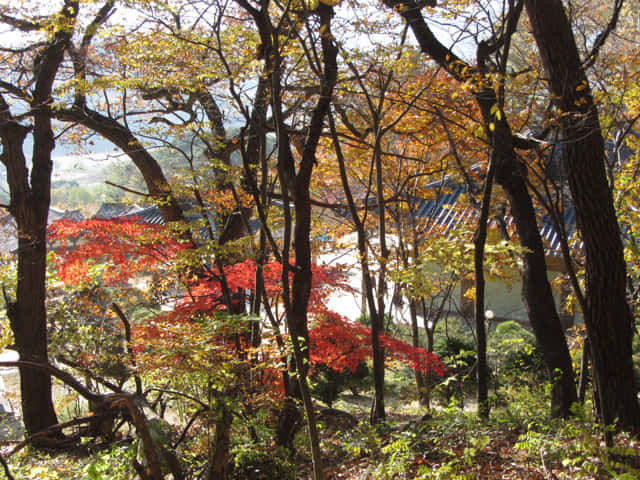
518,442
454,444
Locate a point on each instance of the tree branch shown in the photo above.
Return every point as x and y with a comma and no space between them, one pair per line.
135,192
602,36
20,24
65,377
5,466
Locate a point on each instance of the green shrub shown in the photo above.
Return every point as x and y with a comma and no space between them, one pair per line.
459,355
526,361
253,463
518,358
328,383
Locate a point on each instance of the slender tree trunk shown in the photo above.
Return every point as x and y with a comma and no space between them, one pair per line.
511,175
377,407
421,380
607,315
295,184
584,370
377,321
429,331
219,466
301,286
413,309
479,240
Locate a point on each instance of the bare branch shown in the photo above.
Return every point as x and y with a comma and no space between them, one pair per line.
602,36
20,24
127,330
135,192
65,377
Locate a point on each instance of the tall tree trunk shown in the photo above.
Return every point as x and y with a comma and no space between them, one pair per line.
302,276
377,321
377,413
29,205
479,240
536,290
511,174
421,380
429,330
28,315
607,315
219,466
295,184
377,408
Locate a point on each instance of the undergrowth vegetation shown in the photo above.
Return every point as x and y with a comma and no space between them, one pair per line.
518,441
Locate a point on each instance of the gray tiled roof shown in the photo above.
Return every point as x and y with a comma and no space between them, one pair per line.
108,211
148,215
447,211
551,236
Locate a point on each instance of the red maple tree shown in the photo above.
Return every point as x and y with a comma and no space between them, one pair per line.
126,247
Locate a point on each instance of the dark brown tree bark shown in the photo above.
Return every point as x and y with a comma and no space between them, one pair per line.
219,465
301,283
479,241
30,199
511,176
421,379
109,128
377,409
28,315
295,179
607,315
378,413
123,138
429,331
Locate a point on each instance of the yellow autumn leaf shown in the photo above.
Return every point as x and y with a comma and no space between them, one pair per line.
470,293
